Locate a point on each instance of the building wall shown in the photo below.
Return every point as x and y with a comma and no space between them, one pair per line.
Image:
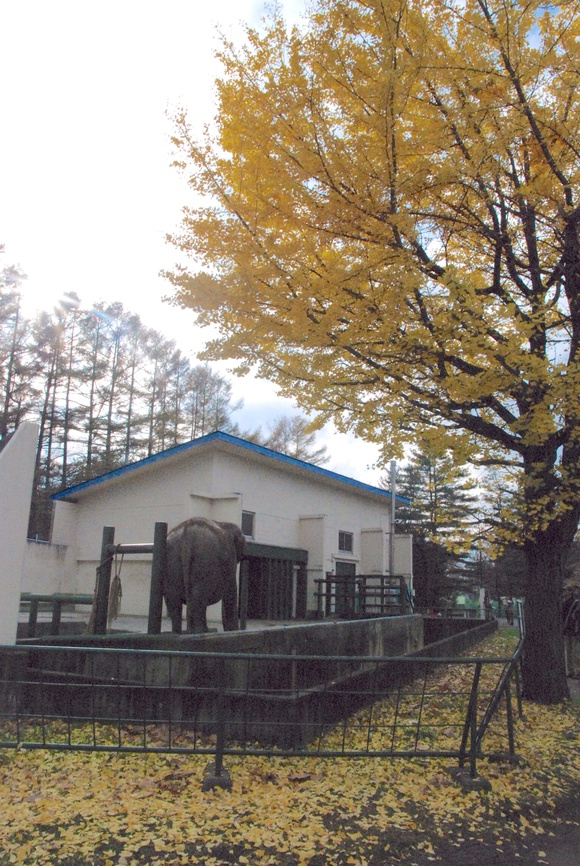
292,509
374,551
46,567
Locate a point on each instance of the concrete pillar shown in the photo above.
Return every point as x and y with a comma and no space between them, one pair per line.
16,478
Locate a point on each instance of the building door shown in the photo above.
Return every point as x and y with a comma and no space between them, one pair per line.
345,597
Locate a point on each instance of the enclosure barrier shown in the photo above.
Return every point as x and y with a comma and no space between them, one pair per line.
123,700
362,595
55,601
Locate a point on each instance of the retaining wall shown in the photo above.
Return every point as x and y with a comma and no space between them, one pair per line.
381,636
274,701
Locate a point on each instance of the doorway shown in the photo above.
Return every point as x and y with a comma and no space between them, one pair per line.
345,597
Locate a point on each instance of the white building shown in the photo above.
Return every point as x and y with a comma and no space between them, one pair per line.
302,521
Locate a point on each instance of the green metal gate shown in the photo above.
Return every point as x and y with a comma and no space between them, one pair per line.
272,582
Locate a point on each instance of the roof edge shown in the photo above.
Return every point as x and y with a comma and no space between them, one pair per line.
218,435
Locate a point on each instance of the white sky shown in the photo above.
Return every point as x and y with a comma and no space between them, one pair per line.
86,189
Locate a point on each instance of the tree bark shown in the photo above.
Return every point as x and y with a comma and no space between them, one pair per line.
544,675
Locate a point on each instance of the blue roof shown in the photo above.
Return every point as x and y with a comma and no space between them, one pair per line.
70,492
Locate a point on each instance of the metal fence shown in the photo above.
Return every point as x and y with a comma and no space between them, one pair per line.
55,602
362,595
122,700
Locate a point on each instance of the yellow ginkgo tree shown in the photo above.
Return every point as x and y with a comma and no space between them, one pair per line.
385,221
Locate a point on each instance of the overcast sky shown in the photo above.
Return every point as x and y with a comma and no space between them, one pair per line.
87,193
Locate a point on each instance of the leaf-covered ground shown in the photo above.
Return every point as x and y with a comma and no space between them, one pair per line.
105,809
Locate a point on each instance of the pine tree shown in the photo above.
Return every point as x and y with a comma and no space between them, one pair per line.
440,516
442,499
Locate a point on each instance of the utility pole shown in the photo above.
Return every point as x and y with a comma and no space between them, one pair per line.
392,533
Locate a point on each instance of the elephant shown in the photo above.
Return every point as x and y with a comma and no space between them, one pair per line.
202,558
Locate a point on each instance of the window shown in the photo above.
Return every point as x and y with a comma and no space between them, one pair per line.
345,569
345,541
248,523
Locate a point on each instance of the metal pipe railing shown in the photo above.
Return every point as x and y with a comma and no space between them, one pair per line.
327,706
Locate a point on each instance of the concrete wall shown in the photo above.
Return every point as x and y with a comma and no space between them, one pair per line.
378,637
16,477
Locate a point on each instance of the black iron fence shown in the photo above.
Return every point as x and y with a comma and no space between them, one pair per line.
123,700
362,595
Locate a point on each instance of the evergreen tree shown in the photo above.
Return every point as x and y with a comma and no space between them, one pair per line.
431,580
440,517
442,499
207,402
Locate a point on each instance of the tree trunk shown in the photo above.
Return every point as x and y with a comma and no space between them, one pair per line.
544,675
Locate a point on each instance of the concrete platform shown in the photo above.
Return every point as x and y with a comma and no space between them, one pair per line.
138,624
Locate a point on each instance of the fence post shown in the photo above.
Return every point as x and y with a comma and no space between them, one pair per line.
244,577
56,615
327,594
510,720
216,776
301,593
32,617
361,594
158,571
470,727
220,719
403,595
104,581
519,689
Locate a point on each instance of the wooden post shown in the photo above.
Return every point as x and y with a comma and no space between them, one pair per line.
32,617
56,615
104,581
158,572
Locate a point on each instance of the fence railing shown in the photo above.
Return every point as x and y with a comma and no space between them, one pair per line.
362,595
122,700
55,602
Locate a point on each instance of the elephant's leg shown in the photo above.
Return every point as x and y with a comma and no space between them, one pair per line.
174,611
